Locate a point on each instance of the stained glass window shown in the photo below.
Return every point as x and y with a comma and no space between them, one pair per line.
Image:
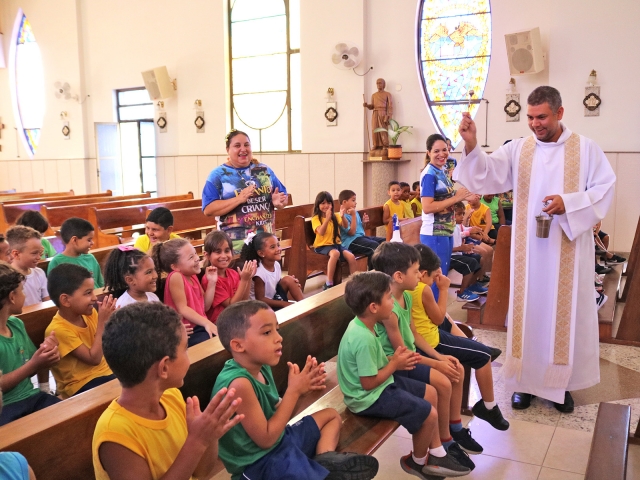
27,83
265,72
454,47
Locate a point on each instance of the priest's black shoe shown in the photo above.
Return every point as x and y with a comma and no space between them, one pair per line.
521,401
567,406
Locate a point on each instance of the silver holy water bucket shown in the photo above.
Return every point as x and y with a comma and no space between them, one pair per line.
543,225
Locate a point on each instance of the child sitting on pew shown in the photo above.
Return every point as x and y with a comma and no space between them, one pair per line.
77,235
268,284
5,251
479,215
436,328
372,387
26,252
182,289
262,446
230,286
466,258
19,358
35,220
443,372
78,328
326,226
392,206
405,199
416,204
13,465
149,431
352,235
130,276
157,228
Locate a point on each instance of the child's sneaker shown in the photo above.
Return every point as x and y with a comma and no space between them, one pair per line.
478,289
601,300
466,442
348,466
326,286
412,468
445,466
493,416
467,296
615,260
457,452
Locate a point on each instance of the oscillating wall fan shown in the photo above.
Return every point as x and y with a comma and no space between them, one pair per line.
346,56
63,90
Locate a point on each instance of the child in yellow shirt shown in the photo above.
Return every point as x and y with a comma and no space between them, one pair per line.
393,206
78,328
149,431
326,226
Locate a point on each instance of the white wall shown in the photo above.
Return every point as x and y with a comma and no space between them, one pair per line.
102,45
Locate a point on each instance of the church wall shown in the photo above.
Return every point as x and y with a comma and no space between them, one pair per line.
103,45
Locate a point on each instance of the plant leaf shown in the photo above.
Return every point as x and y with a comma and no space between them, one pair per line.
379,129
394,124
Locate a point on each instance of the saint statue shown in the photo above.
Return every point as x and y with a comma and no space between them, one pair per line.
382,107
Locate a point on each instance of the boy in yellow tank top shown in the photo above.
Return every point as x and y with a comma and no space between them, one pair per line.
434,325
393,205
149,431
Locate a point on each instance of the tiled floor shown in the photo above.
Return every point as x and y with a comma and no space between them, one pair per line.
541,443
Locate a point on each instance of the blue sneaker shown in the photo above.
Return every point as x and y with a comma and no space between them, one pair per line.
467,296
478,289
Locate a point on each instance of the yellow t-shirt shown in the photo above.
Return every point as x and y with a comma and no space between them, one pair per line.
70,373
418,203
398,210
477,218
408,212
157,441
144,244
425,327
327,238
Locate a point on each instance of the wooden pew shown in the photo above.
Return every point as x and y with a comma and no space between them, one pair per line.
491,312
57,441
40,194
57,215
101,255
632,263
12,190
115,224
609,446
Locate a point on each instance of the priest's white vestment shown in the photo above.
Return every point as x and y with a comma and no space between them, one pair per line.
499,172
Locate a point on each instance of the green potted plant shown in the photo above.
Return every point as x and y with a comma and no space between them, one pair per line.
394,131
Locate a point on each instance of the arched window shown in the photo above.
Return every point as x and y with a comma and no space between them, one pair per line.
454,50
27,83
265,72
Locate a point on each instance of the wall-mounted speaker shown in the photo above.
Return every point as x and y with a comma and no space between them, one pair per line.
524,52
158,83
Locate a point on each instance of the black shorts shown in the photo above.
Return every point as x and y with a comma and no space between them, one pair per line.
402,401
465,264
468,352
601,235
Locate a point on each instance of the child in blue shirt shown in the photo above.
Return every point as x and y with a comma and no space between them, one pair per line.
353,237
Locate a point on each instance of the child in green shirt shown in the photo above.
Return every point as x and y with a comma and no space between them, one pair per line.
77,235
376,385
262,445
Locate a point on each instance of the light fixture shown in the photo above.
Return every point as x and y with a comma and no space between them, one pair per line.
512,105
160,104
593,79
197,103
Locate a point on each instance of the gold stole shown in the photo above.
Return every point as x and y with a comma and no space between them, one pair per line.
557,374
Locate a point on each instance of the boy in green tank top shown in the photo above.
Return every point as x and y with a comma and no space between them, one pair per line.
263,445
443,372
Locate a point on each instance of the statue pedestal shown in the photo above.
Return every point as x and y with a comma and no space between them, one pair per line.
378,174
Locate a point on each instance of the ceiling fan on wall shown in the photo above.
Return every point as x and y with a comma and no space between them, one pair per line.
347,56
63,91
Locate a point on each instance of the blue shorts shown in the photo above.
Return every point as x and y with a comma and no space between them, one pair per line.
324,250
402,401
292,458
22,408
421,373
199,335
443,247
468,352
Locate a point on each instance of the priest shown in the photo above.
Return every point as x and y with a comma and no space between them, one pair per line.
552,345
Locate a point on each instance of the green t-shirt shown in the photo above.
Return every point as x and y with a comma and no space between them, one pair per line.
15,352
49,251
360,355
493,206
236,449
404,324
85,260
